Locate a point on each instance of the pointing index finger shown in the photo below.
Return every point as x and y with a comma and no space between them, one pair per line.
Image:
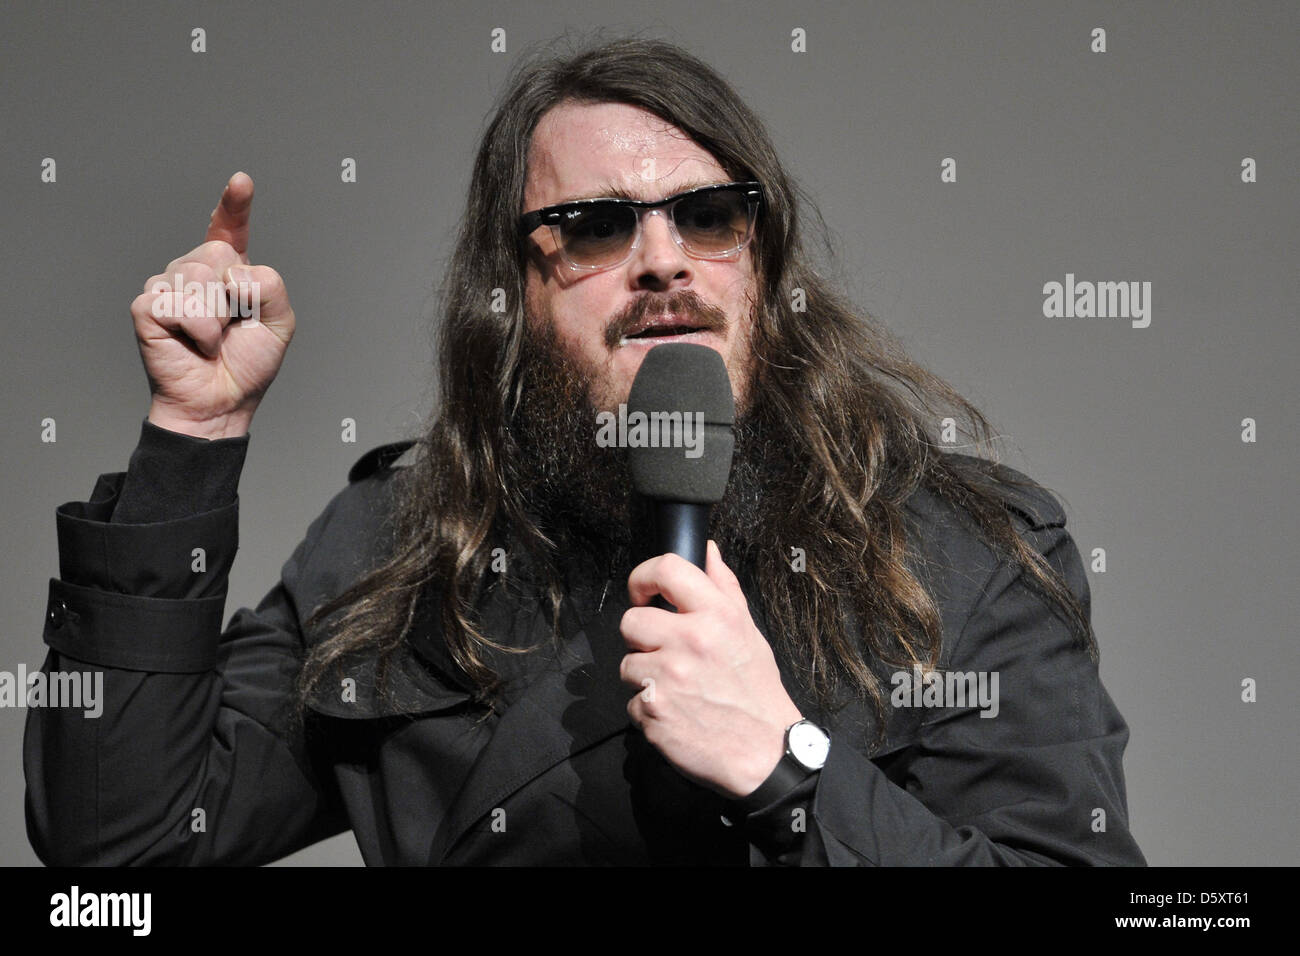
230,219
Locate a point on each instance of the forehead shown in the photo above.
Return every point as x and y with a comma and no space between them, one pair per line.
580,151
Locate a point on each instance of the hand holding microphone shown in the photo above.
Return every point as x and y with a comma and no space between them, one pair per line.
709,694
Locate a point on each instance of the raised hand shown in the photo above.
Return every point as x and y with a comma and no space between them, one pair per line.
208,366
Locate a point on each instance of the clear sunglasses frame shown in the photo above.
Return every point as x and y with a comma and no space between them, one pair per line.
553,216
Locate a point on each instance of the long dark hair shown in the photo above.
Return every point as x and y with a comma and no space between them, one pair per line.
858,413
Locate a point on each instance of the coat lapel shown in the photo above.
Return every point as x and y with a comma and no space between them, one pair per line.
572,700
558,702
576,701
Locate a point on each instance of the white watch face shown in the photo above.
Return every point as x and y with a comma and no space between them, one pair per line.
809,745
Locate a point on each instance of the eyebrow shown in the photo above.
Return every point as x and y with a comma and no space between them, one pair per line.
612,191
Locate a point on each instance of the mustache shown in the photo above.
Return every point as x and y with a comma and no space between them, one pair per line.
683,302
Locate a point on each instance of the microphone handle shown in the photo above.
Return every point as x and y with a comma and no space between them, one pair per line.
683,528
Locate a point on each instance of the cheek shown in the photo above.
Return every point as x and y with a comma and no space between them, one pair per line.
738,302
581,315
547,304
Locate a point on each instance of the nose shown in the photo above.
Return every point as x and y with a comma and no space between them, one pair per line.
659,262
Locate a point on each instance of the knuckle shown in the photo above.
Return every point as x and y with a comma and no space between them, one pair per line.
628,622
215,250
189,270
142,305
201,272
652,712
674,564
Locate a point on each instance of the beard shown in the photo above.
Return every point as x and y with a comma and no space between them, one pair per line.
580,495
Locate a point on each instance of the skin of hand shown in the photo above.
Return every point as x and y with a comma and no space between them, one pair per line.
208,371
709,693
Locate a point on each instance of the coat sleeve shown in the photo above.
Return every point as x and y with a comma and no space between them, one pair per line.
190,759
1040,783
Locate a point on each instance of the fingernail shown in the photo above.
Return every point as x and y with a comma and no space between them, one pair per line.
240,274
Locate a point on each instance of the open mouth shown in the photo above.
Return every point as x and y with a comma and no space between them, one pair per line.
665,331
663,327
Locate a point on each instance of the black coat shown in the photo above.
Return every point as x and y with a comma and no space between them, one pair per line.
191,763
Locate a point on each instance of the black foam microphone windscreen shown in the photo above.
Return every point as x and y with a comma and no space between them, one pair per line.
683,396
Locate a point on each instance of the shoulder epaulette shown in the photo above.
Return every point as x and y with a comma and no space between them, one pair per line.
1035,505
377,459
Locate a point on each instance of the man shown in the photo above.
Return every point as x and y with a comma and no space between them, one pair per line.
462,662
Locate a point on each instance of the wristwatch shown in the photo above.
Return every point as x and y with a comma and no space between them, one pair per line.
806,747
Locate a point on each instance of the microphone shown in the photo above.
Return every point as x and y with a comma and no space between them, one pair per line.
683,396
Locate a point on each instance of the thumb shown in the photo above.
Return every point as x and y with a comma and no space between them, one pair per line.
719,573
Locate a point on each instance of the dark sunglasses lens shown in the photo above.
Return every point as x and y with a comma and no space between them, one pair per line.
713,223
598,234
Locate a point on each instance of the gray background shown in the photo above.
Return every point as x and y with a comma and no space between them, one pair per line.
1115,166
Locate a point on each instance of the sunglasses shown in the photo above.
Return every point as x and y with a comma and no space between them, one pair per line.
711,222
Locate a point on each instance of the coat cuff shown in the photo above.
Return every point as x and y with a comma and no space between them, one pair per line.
172,475
845,809
133,633
146,597
186,558
776,832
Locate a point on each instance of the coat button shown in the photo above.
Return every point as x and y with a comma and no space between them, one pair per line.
58,613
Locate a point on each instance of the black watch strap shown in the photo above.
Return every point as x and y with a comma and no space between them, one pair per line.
787,775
